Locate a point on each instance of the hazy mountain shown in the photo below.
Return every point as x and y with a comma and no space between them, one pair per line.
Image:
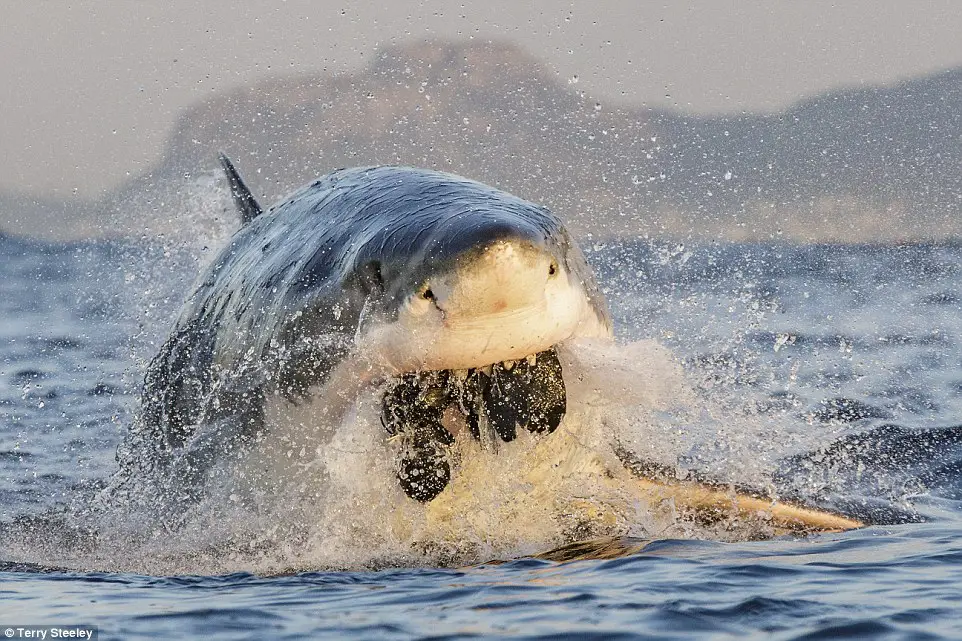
873,164
877,163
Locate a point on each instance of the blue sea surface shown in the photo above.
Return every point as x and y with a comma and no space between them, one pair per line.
853,345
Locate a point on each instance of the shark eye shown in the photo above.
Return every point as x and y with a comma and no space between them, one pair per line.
552,268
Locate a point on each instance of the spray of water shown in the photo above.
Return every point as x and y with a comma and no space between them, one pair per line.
318,489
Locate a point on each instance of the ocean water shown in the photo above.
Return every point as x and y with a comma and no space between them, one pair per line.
833,374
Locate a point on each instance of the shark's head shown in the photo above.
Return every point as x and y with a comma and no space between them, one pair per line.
486,278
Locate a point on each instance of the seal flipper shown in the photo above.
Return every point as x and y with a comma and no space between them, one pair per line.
411,410
244,200
531,394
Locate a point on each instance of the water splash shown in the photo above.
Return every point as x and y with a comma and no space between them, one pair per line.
318,490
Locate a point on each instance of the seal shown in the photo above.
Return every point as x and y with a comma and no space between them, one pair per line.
453,293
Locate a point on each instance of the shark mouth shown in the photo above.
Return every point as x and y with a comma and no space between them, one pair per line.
494,401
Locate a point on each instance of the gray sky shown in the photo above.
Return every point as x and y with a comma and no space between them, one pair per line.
91,89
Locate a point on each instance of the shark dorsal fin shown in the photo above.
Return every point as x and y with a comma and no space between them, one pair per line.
243,198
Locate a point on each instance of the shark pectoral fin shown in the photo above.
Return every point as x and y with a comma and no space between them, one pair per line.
707,502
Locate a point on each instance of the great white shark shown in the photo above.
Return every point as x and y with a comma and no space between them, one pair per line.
453,295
